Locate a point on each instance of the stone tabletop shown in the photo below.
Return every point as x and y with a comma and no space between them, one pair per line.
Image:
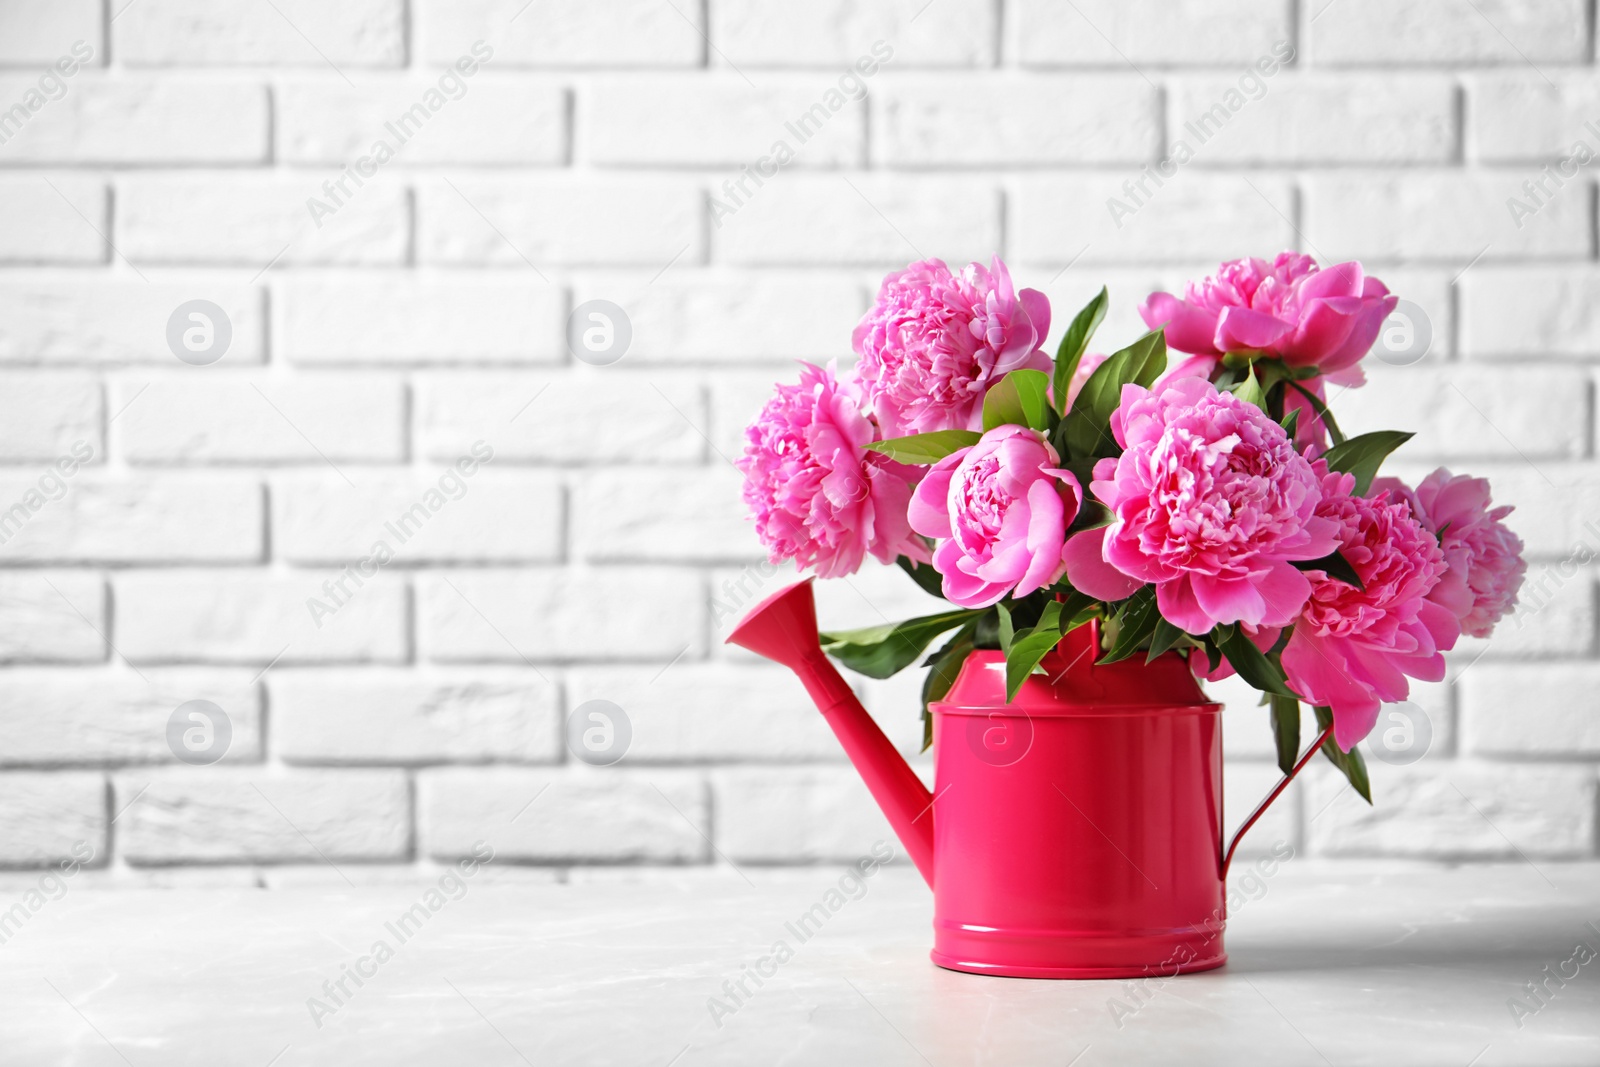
1355,964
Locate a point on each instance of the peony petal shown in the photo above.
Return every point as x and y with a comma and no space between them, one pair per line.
1178,605
1189,329
1037,307
1088,570
929,511
1046,530
1245,328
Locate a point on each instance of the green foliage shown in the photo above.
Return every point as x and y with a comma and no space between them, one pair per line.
1086,429
1362,456
882,651
1349,763
1075,343
1019,398
925,448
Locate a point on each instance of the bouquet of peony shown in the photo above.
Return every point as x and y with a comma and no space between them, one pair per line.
1207,506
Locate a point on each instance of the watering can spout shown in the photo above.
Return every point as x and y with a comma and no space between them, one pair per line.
783,628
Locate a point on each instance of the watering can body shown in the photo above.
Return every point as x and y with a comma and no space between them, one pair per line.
1074,832
1078,828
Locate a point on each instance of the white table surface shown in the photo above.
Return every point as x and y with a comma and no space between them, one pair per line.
1372,963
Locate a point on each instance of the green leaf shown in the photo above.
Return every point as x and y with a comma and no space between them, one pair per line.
1290,423
1249,389
1351,763
1019,399
1086,430
1335,566
1030,646
1163,638
1003,621
925,448
1362,456
1252,664
1075,343
882,651
1136,621
1286,730
1322,411
943,666
928,579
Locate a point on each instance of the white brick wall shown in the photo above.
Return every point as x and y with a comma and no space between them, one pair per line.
598,151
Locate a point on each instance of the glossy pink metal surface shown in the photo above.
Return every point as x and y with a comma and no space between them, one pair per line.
1075,832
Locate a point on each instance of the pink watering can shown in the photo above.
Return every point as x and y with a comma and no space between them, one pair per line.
1075,832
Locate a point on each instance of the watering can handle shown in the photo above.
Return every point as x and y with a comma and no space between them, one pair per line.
1227,857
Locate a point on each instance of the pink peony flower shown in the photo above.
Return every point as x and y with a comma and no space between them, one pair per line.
933,343
1288,309
817,496
1352,649
1001,509
1484,557
1211,503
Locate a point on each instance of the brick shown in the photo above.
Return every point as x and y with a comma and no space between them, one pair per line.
700,711
487,120
428,516
362,33
640,120
52,617
253,220
553,613
1530,312
797,815
53,320
1295,118
1115,33
1514,32
1518,116
37,32
586,220
560,817
1457,810
316,419
238,815
771,317
548,33
108,518
393,716
364,320
627,515
139,120
1198,216
860,219
250,616
837,33
1461,412
582,416
59,717
1544,709
49,815
987,121
57,218
1432,216
43,414
1555,615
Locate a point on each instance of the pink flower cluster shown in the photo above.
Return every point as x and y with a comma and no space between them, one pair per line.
1288,309
1000,509
817,495
1205,500
934,342
1211,504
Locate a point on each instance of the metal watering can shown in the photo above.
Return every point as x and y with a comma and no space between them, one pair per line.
1075,832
